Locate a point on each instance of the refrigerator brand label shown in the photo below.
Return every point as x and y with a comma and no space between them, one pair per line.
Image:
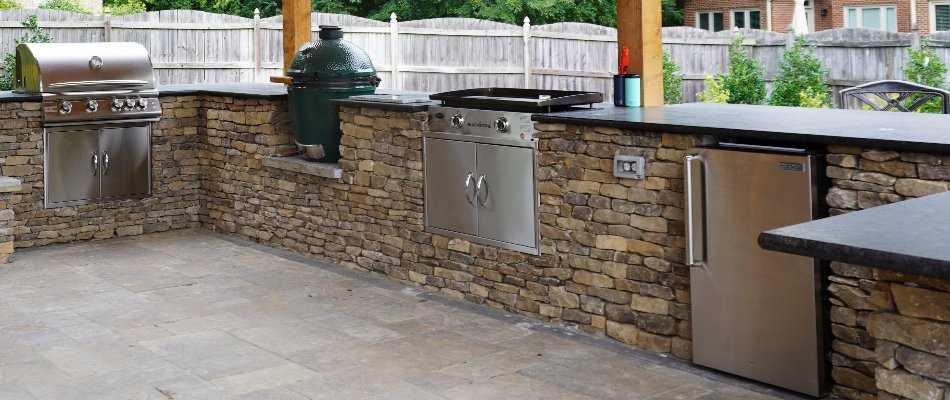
787,166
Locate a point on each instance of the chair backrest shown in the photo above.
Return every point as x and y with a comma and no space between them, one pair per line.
894,96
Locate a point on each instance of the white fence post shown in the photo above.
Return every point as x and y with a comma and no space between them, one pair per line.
256,38
394,50
107,25
528,83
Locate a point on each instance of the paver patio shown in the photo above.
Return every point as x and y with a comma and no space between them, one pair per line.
196,315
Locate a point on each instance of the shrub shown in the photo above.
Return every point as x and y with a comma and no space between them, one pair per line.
926,68
745,82
64,5
715,92
8,5
814,98
128,7
672,80
801,79
35,34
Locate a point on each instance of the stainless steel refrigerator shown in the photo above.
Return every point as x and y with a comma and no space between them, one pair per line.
755,313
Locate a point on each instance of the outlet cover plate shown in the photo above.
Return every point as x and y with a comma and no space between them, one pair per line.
630,167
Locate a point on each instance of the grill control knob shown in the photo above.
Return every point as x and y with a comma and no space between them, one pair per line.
141,103
502,125
92,106
129,103
65,107
457,120
117,104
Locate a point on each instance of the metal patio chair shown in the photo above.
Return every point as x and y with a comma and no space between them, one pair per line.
890,95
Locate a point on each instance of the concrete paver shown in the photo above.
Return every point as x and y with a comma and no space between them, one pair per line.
196,315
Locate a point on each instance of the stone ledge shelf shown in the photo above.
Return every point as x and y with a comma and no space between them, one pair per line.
299,165
9,184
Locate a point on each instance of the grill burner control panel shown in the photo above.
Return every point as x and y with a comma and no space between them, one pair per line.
497,125
101,108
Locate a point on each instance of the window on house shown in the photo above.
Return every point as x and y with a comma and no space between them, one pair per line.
939,16
748,19
874,17
709,20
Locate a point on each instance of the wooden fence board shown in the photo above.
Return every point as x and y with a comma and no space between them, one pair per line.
452,53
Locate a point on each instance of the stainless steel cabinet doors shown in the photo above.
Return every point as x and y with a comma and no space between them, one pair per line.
91,163
124,165
450,185
481,192
72,165
506,194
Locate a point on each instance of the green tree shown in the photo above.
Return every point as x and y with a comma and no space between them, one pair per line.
600,12
127,7
801,78
672,80
34,34
926,68
8,5
64,5
745,82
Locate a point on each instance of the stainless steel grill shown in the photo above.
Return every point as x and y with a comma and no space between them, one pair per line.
88,81
99,100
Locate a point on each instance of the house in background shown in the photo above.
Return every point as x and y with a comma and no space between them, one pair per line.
776,15
93,6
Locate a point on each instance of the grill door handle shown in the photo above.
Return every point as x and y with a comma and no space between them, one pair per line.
95,164
695,219
478,190
468,180
105,163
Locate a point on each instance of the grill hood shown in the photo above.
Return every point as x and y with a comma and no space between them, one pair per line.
82,67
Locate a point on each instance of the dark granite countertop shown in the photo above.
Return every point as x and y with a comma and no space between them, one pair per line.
898,131
911,236
10,97
247,90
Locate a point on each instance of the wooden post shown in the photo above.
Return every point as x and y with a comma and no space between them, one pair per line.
528,81
789,37
296,28
107,25
394,50
914,36
256,39
639,28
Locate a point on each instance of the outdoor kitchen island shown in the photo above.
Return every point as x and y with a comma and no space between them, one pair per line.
611,250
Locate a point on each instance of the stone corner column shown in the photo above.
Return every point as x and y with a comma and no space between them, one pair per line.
8,186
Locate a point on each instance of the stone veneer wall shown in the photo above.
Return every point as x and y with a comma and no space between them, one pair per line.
866,326
611,249
175,199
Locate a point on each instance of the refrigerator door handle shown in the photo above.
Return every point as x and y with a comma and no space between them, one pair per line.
695,229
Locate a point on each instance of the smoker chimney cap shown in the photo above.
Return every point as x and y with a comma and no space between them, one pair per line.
330,32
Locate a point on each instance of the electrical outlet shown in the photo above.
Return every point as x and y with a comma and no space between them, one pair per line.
631,167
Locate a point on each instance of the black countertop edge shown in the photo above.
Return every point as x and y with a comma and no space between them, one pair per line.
243,90
898,131
10,97
409,107
399,107
909,237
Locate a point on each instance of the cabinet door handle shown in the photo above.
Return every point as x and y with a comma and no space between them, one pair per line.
695,229
468,180
478,190
105,163
95,164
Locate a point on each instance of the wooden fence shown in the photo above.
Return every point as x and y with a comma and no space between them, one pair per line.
451,53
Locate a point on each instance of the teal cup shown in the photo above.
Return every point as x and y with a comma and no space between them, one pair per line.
631,90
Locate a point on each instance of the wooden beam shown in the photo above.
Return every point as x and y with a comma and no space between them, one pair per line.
296,27
639,28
